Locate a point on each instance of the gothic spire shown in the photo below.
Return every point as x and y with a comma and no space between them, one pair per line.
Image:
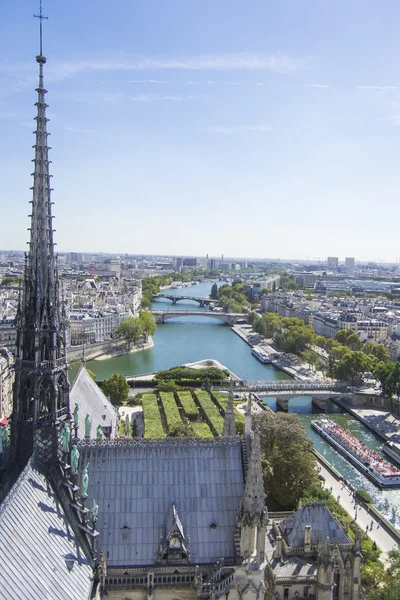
41,390
253,501
40,336
229,420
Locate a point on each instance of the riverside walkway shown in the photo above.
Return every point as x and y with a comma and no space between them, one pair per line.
378,534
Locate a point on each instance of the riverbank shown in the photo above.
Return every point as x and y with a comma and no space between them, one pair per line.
290,364
370,520
105,350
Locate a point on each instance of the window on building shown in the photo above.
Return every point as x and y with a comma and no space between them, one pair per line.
305,591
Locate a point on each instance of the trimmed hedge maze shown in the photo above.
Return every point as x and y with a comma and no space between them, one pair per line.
152,419
199,413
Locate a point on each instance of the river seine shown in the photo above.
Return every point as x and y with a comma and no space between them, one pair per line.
188,339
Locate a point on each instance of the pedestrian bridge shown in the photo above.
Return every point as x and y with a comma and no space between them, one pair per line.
175,299
284,391
293,388
161,316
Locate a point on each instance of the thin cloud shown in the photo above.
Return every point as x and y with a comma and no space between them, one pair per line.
321,86
155,97
57,71
147,81
377,87
238,129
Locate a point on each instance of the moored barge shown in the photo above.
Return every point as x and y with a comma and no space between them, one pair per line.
369,462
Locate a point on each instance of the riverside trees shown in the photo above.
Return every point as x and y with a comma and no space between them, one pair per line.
132,329
287,456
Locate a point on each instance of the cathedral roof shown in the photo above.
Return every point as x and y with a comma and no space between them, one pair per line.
136,483
40,556
318,515
86,393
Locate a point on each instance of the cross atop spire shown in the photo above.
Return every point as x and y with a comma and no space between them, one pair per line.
40,17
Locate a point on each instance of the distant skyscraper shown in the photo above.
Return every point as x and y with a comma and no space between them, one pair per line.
350,262
332,262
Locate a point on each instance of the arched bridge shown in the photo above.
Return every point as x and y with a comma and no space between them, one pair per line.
161,316
175,299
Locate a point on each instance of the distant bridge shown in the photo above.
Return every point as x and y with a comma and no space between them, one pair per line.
175,299
161,316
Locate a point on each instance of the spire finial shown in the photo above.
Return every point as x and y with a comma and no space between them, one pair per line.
40,17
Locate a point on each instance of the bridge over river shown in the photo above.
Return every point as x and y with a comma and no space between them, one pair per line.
161,316
286,390
174,299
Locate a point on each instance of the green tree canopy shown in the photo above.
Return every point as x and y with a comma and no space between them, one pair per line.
116,388
378,351
130,330
148,323
214,292
288,460
348,338
352,365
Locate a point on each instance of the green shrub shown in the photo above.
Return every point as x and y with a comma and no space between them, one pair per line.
188,404
152,420
171,410
201,429
211,411
364,496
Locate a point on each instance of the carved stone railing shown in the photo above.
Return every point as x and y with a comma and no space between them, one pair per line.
172,441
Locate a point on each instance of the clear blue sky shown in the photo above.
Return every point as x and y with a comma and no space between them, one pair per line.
260,128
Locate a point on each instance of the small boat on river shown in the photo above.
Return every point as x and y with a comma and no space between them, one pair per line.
369,462
261,355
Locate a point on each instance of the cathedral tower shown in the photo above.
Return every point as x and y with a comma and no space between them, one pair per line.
41,390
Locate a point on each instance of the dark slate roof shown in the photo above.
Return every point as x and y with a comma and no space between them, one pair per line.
320,518
136,484
35,542
86,393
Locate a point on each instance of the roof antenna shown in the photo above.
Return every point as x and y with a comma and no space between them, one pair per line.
40,17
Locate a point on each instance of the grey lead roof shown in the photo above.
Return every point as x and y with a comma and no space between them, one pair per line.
35,543
136,484
320,518
86,393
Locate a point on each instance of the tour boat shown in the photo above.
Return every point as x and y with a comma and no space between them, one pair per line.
392,450
369,462
261,354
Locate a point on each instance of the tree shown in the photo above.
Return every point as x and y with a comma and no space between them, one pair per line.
148,323
378,351
348,338
288,459
352,365
311,357
116,388
214,292
131,330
